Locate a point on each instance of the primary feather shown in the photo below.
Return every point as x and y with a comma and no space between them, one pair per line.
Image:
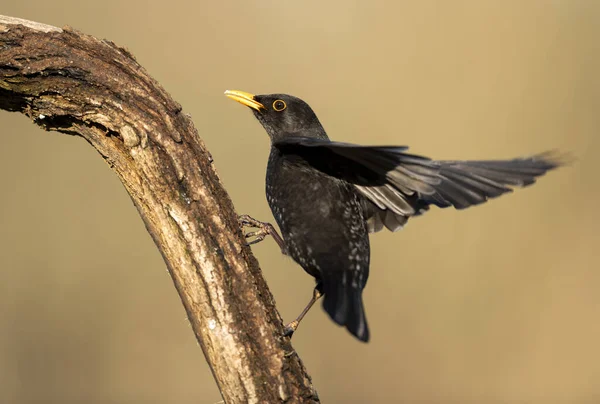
406,184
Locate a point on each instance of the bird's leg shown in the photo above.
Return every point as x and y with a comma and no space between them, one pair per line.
291,327
264,229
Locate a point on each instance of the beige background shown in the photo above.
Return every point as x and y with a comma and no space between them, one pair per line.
497,304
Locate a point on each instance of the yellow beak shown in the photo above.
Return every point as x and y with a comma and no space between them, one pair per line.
244,98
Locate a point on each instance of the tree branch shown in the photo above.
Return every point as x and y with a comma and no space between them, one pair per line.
73,83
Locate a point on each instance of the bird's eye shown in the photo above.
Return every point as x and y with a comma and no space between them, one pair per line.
279,105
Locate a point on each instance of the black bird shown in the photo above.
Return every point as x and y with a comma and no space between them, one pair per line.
327,197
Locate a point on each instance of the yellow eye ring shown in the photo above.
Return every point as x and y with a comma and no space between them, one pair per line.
279,105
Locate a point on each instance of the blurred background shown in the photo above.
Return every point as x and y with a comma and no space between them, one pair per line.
495,304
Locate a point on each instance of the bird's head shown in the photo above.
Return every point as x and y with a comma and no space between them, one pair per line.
281,115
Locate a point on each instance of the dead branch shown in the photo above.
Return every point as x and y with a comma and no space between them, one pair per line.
73,83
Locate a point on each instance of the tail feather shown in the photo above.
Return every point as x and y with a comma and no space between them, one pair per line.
345,306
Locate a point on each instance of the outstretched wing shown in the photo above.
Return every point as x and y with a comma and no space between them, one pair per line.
400,185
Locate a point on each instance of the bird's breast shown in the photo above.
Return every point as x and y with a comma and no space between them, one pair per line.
320,217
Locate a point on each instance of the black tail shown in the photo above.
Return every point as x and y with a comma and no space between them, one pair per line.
344,305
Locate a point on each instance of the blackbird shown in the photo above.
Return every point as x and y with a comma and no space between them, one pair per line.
328,196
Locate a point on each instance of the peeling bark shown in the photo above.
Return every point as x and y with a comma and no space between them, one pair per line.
73,83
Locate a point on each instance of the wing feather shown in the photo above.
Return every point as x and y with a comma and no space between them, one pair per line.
399,185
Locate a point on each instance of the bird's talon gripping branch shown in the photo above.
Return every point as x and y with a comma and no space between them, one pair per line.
264,229
258,236
289,329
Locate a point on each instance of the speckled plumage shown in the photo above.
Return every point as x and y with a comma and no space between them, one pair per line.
322,221
328,196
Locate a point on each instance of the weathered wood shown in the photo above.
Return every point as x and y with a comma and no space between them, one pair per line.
73,83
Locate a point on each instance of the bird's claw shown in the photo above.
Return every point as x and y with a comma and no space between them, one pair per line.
258,235
289,329
264,229
247,220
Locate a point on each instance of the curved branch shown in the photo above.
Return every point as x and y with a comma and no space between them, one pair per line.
73,83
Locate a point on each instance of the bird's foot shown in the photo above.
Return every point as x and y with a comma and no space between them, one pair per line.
264,229
293,326
289,329
259,235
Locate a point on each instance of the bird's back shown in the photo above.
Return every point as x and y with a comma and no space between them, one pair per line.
322,222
